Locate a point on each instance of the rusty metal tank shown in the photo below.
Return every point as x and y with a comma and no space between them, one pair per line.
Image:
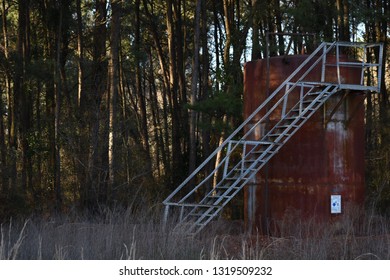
324,160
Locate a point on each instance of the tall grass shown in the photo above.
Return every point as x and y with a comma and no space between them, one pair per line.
9,246
354,235
125,235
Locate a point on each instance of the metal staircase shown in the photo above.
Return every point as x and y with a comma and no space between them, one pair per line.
234,164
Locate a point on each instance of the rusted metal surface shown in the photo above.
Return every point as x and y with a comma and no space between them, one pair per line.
325,157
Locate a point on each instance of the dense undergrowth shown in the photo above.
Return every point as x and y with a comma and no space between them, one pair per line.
125,235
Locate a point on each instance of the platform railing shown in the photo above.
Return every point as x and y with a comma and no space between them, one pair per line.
213,169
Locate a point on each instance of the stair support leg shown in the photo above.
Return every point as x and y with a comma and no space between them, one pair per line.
166,213
181,213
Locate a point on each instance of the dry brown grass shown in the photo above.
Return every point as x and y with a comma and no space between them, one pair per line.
124,235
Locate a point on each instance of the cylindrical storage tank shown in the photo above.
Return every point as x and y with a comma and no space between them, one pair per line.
319,172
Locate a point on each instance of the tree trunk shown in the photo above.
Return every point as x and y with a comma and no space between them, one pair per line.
95,176
144,128
342,8
177,159
81,155
166,92
21,96
57,110
3,152
256,51
216,44
116,6
80,52
381,27
3,146
205,71
194,87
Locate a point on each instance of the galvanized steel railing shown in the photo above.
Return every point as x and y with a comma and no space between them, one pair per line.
231,153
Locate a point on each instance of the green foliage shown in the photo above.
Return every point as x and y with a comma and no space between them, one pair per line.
312,17
219,105
219,109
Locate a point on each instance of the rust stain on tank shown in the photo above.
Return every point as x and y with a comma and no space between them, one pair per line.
324,157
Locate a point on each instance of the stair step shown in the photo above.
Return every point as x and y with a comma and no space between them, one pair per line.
315,93
242,172
293,118
219,196
263,149
252,161
200,214
209,207
305,102
216,193
284,126
278,134
254,155
215,196
266,143
262,152
232,178
215,203
274,134
224,187
202,211
278,130
301,111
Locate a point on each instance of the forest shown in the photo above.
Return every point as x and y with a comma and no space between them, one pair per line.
113,102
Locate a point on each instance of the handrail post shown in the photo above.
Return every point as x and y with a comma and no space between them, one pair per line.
243,157
165,219
239,171
301,99
181,213
241,127
364,61
226,167
338,63
380,59
285,100
323,68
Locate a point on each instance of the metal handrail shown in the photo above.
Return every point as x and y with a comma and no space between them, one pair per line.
212,155
323,50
